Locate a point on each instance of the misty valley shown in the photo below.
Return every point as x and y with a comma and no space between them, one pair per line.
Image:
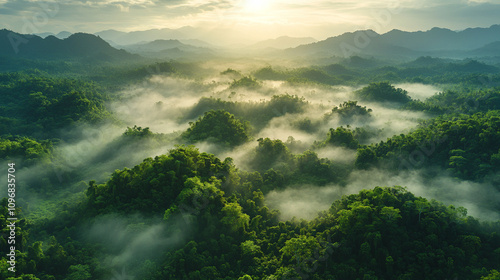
165,160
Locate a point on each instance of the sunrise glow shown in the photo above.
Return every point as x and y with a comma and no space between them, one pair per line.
256,5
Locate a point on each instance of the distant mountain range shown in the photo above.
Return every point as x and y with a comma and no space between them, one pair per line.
179,43
283,42
438,39
60,35
439,42
172,49
491,49
136,37
482,44
76,46
193,36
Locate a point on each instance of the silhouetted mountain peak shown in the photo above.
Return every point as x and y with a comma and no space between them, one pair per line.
78,45
51,38
403,44
87,39
367,32
165,41
440,30
284,42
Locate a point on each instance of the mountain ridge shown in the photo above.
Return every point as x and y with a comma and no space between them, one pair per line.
172,48
78,45
284,42
396,43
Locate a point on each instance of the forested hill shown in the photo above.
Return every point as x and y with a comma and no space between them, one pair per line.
79,45
229,233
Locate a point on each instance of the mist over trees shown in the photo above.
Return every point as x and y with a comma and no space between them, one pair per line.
219,167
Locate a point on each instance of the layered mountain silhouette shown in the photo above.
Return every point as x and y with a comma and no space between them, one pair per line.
172,49
492,49
438,39
161,45
135,37
473,43
396,44
76,46
284,42
60,35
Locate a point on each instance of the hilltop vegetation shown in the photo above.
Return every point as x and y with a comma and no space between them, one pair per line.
467,145
194,170
218,127
36,104
383,91
393,233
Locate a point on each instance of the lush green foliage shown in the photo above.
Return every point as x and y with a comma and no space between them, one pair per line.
467,145
340,137
348,110
357,71
24,150
393,233
138,131
127,191
257,113
383,91
272,153
459,101
218,127
219,210
37,105
247,82
268,73
314,75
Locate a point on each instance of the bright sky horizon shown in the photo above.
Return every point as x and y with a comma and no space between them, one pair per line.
247,20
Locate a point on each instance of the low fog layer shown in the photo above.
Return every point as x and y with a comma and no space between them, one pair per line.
129,241
480,199
163,103
419,91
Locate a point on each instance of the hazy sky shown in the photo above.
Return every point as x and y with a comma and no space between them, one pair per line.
258,18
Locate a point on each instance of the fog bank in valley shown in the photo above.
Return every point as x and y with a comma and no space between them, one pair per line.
304,201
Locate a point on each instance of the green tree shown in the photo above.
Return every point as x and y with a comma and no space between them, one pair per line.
249,248
383,91
246,82
219,127
342,137
494,275
421,206
270,153
348,110
457,161
390,213
234,217
138,131
79,272
365,158
300,248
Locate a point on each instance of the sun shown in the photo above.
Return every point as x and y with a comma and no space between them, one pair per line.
256,5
